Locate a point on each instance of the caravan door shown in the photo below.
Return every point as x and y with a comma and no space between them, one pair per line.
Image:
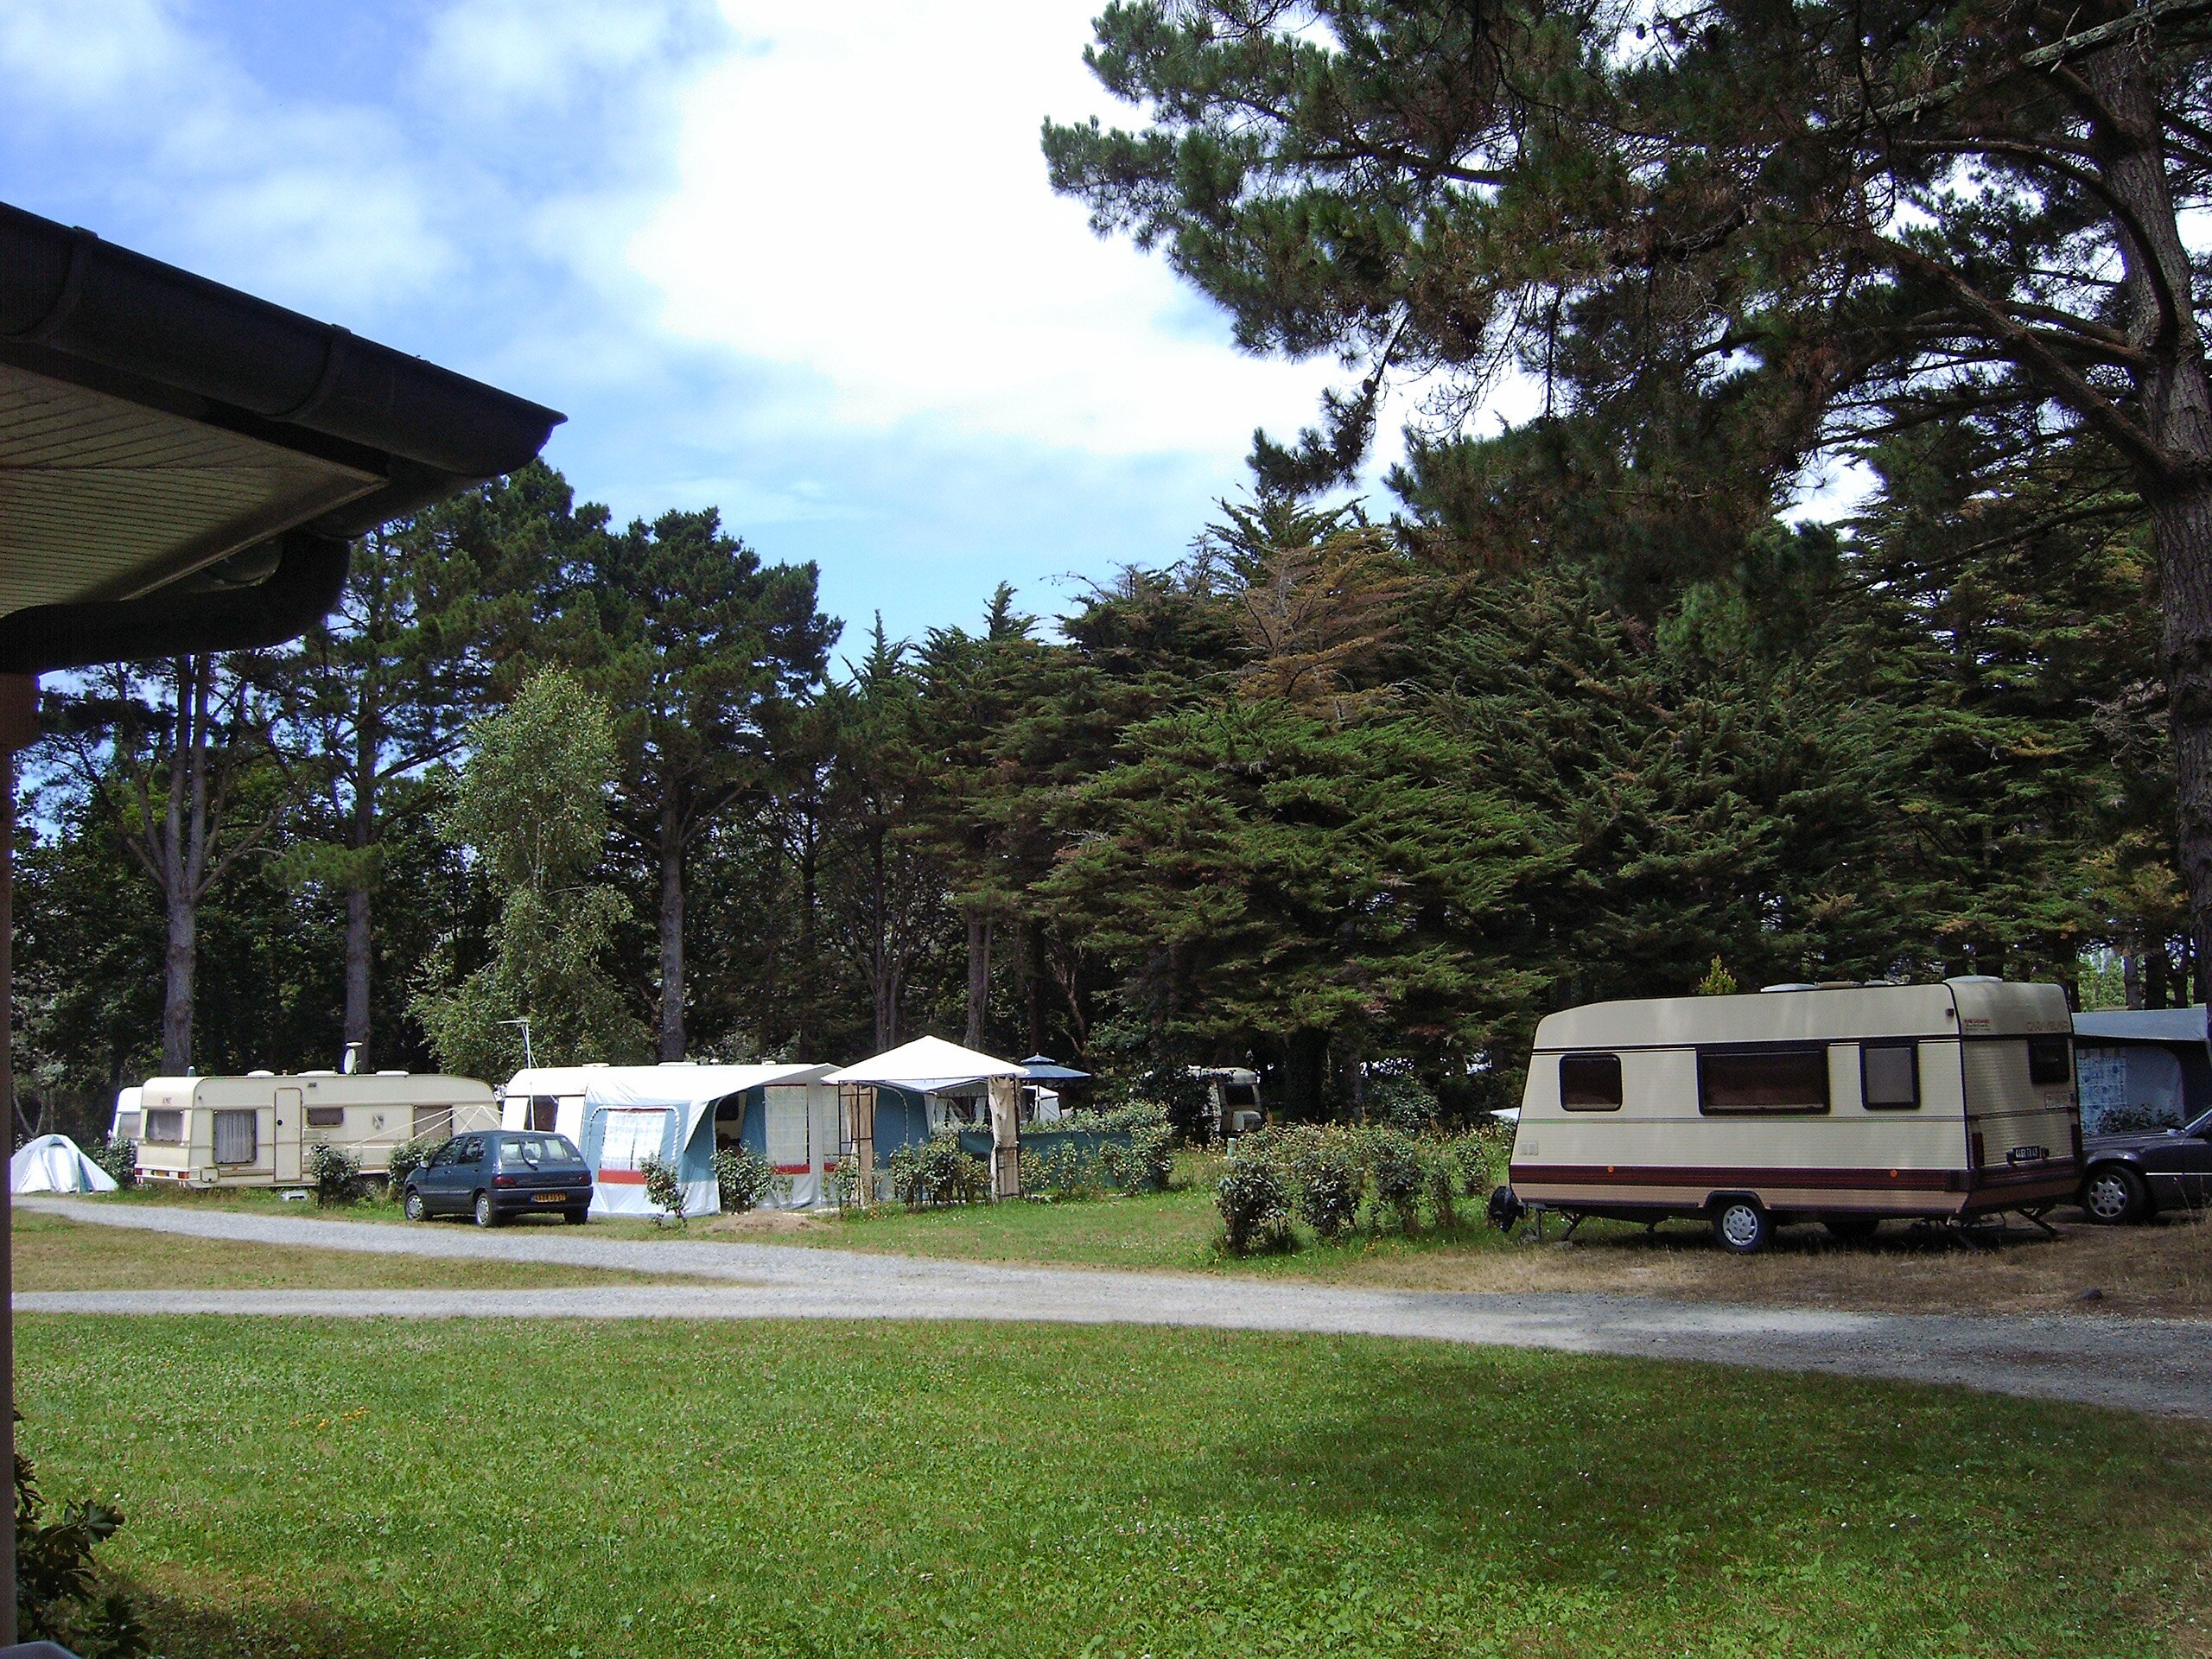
290,1112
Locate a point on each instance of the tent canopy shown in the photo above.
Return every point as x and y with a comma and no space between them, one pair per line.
55,1163
1043,1068
929,1065
680,1085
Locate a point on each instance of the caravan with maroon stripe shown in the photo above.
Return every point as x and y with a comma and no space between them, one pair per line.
1847,1104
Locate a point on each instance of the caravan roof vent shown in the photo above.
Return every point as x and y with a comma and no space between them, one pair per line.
392,1074
261,1074
1837,985
1794,985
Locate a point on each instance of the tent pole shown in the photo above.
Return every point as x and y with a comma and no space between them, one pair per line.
18,729
1006,1138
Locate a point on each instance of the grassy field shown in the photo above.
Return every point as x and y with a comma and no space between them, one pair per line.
379,1490
52,1254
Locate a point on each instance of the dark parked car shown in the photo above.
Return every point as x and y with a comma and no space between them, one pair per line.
498,1174
2133,1177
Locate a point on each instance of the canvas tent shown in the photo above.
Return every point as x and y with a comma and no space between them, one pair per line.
2142,1068
619,1116
55,1163
935,1082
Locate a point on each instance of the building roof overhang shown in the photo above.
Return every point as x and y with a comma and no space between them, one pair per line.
182,464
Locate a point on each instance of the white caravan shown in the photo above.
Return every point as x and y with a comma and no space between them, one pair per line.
1844,1105
255,1130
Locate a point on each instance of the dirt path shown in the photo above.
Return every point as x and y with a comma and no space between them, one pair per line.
2138,1364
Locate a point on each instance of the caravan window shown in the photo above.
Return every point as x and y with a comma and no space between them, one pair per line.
326,1117
1770,1078
127,1126
2051,1060
165,1128
234,1137
1888,1076
544,1111
1590,1083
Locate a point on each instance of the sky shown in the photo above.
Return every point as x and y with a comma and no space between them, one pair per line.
798,262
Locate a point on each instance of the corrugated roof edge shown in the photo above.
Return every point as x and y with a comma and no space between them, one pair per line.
67,292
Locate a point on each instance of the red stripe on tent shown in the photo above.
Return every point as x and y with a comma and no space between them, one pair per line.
623,1177
794,1169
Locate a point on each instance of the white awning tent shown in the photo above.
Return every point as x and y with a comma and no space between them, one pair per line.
931,1068
55,1163
619,1116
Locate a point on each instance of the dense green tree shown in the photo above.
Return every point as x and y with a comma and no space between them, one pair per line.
532,802
1741,236
700,649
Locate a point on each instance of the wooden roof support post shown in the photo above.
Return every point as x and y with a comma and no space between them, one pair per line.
1006,1138
18,729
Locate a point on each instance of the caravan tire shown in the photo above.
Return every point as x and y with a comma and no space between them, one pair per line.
412,1206
486,1214
1741,1224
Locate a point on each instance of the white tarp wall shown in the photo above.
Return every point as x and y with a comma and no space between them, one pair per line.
622,1114
55,1163
799,1133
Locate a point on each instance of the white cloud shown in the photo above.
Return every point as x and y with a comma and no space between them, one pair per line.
492,58
84,56
861,195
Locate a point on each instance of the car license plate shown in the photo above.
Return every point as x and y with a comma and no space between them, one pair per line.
549,1198
2027,1155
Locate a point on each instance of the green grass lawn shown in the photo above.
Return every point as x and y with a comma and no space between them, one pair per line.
346,1489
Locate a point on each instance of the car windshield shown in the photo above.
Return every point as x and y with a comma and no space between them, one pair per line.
528,1151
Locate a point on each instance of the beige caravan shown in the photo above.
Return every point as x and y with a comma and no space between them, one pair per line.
1845,1104
254,1131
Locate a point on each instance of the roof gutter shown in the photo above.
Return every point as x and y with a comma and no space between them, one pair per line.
309,573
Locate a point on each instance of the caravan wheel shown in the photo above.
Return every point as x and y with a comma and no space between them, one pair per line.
1740,1226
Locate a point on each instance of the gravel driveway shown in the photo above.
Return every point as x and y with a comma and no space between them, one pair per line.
2155,1365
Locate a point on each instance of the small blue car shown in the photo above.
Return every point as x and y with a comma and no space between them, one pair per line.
500,1173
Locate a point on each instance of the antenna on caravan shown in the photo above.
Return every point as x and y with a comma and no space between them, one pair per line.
527,1059
352,1059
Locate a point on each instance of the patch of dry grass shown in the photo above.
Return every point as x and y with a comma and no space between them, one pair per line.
54,1254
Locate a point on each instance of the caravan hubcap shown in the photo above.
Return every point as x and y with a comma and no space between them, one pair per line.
1739,1224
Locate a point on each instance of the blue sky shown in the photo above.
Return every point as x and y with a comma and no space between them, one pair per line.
798,262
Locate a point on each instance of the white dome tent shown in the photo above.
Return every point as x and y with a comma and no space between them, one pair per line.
55,1163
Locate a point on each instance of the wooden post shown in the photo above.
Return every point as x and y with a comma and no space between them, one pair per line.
18,729
859,1102
1006,1138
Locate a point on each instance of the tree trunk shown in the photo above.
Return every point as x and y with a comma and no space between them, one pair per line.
1304,1075
2131,974
357,937
672,934
979,978
361,834
1032,982
184,862
808,868
2175,396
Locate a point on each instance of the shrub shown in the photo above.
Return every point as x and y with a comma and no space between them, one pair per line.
1071,1169
1396,1169
1250,1197
664,1189
937,1172
1322,1174
1406,1104
744,1178
845,1182
59,1595
334,1172
1440,1180
119,1159
406,1158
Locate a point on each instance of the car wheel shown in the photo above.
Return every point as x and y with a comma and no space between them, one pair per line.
2116,1194
486,1214
575,1218
412,1206
1740,1226
1852,1229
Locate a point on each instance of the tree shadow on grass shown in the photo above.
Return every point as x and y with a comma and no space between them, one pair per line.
278,1627
1650,1476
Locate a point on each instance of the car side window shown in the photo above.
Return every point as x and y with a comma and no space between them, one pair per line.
472,1151
443,1156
